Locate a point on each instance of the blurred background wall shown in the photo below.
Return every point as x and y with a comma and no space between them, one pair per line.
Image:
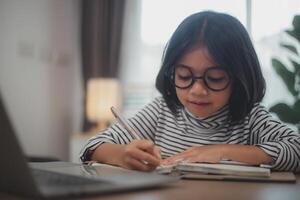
40,77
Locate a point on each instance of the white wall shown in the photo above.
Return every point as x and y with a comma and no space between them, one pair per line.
40,72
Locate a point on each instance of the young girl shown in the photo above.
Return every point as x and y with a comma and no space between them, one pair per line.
211,85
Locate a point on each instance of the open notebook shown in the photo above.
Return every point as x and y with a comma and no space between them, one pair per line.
222,169
225,171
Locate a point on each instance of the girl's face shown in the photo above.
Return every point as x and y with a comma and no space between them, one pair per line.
198,98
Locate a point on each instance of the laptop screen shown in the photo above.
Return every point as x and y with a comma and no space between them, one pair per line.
14,171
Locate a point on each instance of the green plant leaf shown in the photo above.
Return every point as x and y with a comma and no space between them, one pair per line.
287,76
293,34
296,22
296,25
297,77
290,48
285,113
296,108
296,66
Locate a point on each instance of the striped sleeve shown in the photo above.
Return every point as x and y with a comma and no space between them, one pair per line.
276,139
144,123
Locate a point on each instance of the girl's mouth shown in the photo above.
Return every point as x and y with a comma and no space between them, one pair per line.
199,103
199,108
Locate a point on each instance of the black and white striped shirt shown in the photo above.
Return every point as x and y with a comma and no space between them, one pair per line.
175,133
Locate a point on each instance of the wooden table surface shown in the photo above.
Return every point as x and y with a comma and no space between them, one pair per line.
207,190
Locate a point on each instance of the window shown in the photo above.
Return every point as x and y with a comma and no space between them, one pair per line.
159,19
267,32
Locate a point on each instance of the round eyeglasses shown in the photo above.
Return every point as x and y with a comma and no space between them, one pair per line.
214,78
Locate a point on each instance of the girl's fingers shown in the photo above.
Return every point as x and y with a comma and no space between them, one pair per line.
139,165
149,147
156,152
145,156
145,145
149,158
142,155
196,154
172,160
181,157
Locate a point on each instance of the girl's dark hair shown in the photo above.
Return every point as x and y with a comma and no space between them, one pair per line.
229,45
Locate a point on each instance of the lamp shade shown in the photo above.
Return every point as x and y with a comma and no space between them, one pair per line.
102,93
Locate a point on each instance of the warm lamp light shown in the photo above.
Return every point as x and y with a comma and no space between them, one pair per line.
102,93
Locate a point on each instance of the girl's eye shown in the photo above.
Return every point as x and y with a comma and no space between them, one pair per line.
184,78
216,79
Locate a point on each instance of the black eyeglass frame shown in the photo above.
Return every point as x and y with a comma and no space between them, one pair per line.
194,78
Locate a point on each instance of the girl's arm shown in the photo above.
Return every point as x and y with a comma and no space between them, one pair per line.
107,142
215,153
276,139
246,153
270,142
139,154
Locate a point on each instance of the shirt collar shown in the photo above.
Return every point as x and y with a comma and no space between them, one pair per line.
214,121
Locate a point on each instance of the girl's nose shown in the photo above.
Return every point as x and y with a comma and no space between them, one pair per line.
199,88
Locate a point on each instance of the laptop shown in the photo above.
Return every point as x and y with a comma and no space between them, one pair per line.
62,179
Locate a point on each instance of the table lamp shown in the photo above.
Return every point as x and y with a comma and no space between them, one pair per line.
102,93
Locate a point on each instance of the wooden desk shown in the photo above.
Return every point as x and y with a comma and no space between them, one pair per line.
209,190
199,189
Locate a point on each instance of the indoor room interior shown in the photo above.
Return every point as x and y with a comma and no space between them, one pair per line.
64,63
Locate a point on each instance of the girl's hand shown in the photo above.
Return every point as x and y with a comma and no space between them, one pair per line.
215,153
207,153
140,155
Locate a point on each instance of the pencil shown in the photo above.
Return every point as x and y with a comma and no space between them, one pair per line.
124,123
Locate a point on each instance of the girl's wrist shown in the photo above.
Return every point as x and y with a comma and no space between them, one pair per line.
244,153
117,159
225,152
114,157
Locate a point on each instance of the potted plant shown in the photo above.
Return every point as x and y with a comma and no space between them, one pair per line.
291,78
